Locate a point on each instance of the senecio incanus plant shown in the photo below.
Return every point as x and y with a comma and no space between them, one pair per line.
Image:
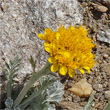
41,97
69,49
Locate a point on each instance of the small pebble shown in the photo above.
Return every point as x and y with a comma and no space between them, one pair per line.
81,88
99,106
105,56
100,8
69,84
107,94
98,87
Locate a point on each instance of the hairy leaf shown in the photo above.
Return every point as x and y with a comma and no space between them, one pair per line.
44,83
33,63
9,103
17,108
39,103
55,92
51,107
10,70
35,77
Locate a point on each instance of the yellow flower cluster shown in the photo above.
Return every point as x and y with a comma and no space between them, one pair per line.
69,49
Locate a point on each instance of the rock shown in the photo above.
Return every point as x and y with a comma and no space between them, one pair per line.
104,36
21,21
69,84
99,106
84,4
107,94
105,68
65,105
98,87
106,2
81,88
109,83
4,6
83,103
100,8
75,98
69,98
105,56
52,13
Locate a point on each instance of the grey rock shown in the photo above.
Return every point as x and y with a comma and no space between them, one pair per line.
107,3
100,8
52,13
22,20
107,94
98,87
104,36
105,68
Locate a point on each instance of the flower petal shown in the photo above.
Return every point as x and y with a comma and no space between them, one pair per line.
57,35
71,73
46,44
63,70
41,36
51,59
47,31
54,67
87,68
82,71
47,48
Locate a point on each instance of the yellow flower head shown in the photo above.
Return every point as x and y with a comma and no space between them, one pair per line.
69,49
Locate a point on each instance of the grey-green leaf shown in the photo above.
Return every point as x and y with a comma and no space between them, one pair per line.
90,101
9,71
33,63
55,92
17,108
8,109
51,107
39,105
9,103
44,83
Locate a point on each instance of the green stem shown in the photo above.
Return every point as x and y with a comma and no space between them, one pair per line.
9,85
9,88
32,80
